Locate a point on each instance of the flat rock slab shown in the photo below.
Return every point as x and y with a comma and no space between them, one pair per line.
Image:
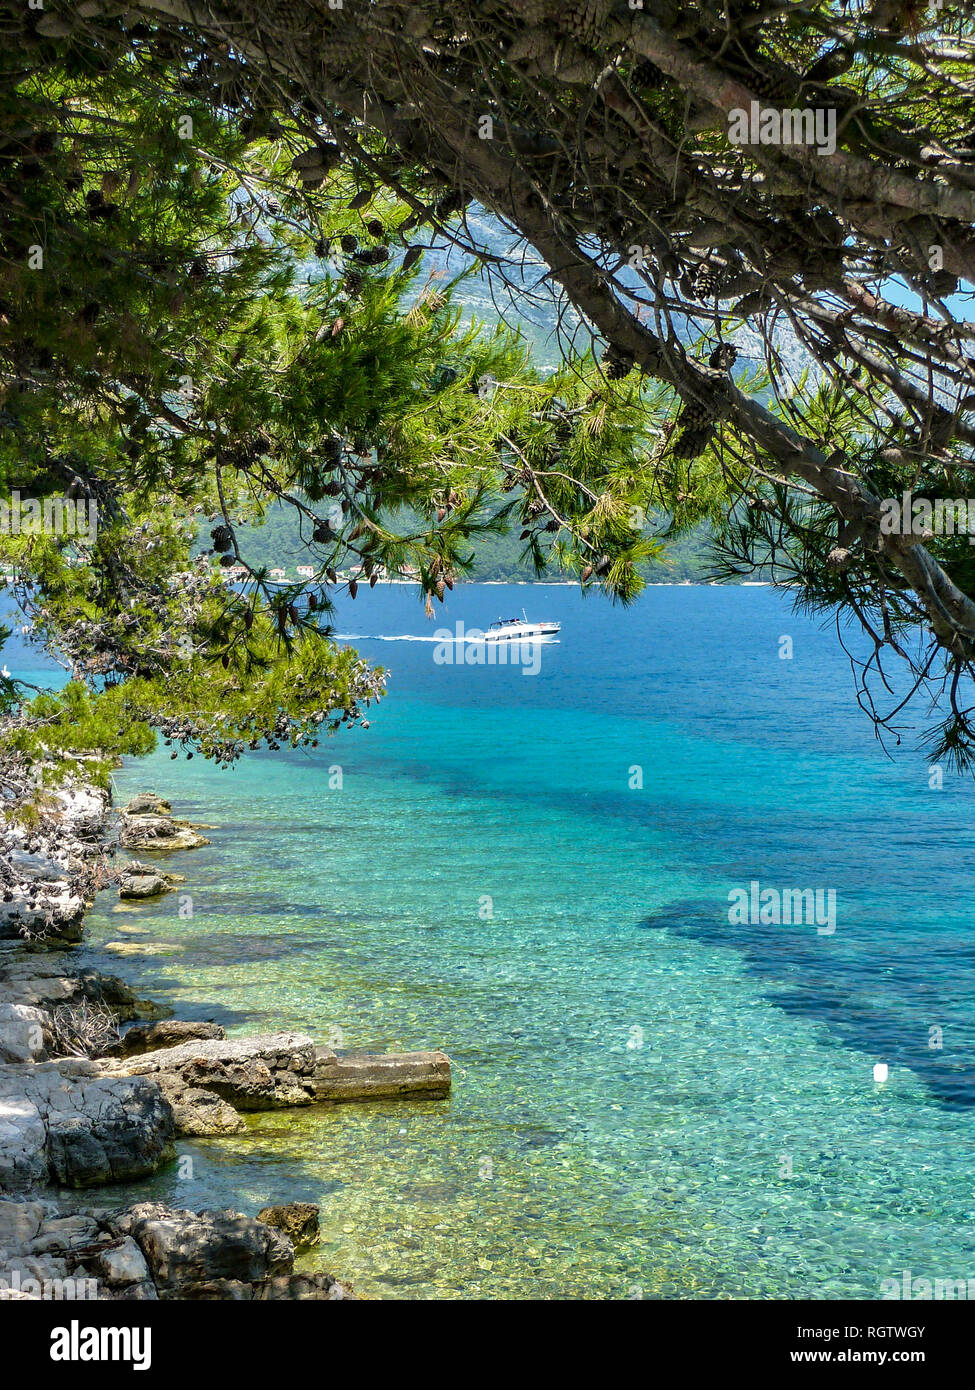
273,1070
371,1076
288,1051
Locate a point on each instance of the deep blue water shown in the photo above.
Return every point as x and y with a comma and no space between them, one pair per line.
648,1101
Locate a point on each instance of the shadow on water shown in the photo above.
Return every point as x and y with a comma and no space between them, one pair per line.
255,1168
150,981
870,999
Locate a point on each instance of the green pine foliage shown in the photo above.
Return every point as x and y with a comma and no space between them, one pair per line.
165,367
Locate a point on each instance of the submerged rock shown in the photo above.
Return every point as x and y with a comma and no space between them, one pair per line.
298,1220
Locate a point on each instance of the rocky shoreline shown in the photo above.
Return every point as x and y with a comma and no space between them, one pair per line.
98,1085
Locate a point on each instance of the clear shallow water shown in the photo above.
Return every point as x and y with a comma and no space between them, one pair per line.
647,1100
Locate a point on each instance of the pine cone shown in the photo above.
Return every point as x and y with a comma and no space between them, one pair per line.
586,19
645,74
706,282
723,356
617,363
693,415
692,442
449,204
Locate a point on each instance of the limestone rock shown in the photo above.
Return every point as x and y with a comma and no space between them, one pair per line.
44,981
318,1287
64,1123
187,1253
65,1234
20,1223
197,1114
149,1251
60,915
143,886
158,833
122,1262
82,809
39,866
24,1033
265,1072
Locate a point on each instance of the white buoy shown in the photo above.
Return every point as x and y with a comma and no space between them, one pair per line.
880,1071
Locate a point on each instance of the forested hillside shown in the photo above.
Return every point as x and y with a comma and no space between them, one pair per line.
278,544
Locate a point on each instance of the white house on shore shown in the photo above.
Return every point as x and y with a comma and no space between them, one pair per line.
279,574
306,572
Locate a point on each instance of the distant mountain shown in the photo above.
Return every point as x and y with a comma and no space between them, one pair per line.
277,544
535,307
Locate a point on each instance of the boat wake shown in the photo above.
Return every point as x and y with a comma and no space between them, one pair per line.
412,637
382,637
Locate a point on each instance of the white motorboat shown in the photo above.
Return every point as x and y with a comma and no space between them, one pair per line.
521,630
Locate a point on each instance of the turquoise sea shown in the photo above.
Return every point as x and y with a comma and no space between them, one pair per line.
648,1101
